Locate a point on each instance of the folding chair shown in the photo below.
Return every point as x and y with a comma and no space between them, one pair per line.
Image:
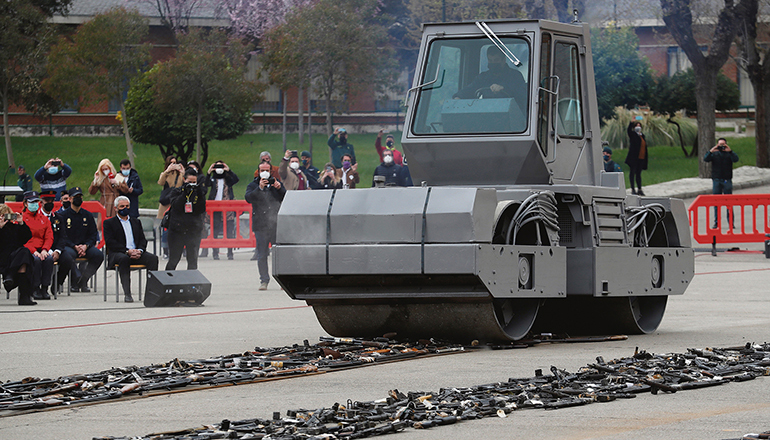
114,267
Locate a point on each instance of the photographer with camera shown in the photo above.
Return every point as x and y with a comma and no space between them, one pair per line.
15,258
53,176
188,205
722,158
265,194
329,179
395,175
222,179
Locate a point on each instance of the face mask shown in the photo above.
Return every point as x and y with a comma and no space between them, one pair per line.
264,174
77,202
32,206
389,144
219,170
346,164
106,172
66,205
53,170
191,184
638,129
606,158
388,159
125,172
305,162
294,165
124,212
48,206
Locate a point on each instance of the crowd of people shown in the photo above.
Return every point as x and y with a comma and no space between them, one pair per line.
39,240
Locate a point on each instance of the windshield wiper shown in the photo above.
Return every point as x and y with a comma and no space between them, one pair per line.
499,44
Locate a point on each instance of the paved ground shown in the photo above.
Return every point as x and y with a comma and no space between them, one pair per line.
727,304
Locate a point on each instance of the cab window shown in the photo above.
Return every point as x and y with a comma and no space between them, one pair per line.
478,89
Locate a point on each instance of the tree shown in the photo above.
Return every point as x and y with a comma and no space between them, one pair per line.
623,76
208,69
24,40
174,132
99,62
340,45
676,93
175,14
253,19
754,60
678,16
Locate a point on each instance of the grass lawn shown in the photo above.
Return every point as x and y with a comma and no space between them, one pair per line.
242,155
84,153
668,163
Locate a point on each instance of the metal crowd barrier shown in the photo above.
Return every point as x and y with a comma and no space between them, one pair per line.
244,236
730,218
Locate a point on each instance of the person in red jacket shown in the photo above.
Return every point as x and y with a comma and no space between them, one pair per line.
39,245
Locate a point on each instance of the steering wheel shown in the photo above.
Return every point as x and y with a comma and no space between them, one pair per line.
500,94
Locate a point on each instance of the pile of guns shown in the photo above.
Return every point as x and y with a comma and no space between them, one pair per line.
600,381
329,354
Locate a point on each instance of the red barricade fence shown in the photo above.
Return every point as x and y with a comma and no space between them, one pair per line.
730,218
242,238
94,207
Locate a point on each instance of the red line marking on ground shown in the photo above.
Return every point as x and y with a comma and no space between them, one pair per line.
730,271
149,319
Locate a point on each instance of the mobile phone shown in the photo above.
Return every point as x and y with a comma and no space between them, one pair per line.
639,118
10,216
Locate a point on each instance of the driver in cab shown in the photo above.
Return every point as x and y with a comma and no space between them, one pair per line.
499,81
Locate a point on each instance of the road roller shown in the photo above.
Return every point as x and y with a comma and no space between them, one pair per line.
513,226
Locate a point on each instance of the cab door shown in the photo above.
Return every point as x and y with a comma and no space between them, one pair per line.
561,129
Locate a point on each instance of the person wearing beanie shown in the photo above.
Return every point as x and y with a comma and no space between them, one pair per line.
609,165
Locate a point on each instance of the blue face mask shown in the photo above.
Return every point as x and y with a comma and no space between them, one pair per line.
124,212
33,206
125,172
53,170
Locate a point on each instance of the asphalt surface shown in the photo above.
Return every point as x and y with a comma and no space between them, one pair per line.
727,304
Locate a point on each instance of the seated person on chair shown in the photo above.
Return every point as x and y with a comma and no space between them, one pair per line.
126,244
59,238
81,239
15,258
499,81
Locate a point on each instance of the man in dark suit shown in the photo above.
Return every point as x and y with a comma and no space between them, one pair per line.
126,244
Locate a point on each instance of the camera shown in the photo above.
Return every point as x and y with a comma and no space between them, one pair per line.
10,216
219,165
56,163
270,180
720,148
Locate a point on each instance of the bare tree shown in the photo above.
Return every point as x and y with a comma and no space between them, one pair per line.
678,16
754,60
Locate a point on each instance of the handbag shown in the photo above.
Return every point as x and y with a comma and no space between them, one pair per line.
166,220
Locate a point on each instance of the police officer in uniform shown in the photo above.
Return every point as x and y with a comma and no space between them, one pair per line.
82,237
59,238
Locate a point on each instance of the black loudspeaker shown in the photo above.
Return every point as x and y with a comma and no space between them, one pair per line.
176,288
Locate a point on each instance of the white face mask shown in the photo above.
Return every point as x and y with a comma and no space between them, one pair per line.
264,174
638,129
387,158
219,170
106,172
294,165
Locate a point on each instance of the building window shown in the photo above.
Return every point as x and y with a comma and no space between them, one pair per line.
678,61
